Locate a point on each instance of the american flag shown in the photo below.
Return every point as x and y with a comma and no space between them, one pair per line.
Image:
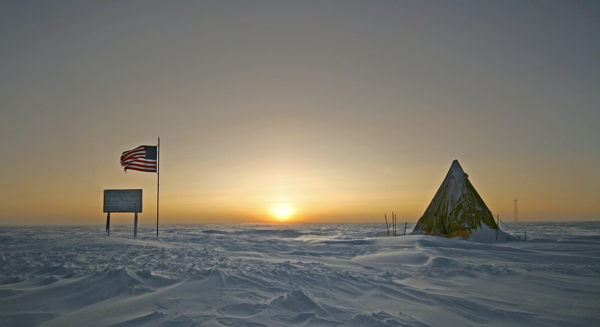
142,158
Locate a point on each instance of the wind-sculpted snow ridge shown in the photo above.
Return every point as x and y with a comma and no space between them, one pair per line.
297,275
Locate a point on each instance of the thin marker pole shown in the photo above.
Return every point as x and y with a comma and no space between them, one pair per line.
157,182
386,224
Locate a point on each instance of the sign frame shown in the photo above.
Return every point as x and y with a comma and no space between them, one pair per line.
124,200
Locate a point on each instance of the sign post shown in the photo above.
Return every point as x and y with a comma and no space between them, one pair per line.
123,201
108,224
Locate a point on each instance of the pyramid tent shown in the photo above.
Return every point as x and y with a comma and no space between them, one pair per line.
457,210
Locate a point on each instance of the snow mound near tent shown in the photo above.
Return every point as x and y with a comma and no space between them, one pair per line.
486,234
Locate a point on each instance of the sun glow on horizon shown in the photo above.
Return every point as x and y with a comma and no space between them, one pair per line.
282,211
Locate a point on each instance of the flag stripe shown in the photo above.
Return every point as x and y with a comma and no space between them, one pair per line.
141,166
143,162
140,169
140,163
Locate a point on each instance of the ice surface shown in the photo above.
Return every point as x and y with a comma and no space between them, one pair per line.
297,275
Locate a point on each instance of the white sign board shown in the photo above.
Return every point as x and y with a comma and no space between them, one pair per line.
122,200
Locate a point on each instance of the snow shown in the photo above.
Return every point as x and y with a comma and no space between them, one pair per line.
297,275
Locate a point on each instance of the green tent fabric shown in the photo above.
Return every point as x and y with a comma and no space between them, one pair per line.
456,209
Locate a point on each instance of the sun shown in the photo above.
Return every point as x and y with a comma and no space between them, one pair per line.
282,211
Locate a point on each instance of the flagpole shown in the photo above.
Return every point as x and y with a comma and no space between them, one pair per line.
157,182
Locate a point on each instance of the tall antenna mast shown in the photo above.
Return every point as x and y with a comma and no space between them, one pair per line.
157,182
516,213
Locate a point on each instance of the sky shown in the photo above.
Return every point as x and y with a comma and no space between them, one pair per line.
306,111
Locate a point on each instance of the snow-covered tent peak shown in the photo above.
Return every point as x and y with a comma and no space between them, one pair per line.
456,170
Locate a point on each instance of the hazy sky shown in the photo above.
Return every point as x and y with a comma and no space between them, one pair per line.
338,111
